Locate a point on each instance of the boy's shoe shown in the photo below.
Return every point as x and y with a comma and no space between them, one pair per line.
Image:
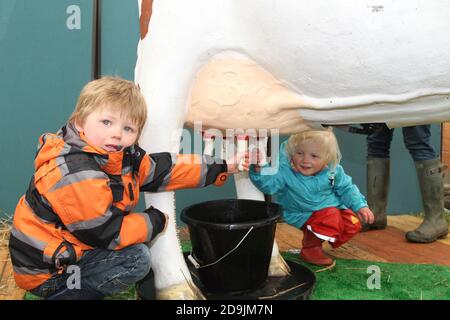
145,288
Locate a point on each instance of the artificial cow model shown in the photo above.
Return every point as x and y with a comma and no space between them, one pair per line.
283,65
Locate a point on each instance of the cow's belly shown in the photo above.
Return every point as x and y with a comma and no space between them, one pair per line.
232,91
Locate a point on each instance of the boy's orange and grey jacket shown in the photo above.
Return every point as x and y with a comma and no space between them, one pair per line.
81,197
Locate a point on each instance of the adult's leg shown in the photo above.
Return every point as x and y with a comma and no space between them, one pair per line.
417,140
430,174
378,172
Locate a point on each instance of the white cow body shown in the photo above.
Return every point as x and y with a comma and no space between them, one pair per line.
288,64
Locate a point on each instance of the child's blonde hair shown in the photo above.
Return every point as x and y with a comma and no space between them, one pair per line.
120,94
324,138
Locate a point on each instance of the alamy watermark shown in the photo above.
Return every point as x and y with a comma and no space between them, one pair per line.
374,280
74,280
73,21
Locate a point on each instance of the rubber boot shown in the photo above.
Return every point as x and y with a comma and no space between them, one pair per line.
145,288
434,225
378,172
312,250
76,294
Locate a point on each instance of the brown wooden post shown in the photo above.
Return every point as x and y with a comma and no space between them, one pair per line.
445,143
445,158
96,40
146,13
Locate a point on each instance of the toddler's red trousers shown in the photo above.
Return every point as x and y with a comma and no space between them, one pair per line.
337,226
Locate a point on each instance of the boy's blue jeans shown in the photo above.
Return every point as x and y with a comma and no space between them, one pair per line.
106,271
416,139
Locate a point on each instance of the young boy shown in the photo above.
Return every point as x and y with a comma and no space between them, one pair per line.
77,211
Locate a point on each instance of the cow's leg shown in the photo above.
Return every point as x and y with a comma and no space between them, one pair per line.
172,278
165,102
246,190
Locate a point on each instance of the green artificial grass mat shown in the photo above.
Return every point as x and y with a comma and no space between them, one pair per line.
348,280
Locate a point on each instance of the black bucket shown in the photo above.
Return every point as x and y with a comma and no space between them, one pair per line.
232,242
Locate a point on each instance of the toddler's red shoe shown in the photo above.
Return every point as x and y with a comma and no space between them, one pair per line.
312,250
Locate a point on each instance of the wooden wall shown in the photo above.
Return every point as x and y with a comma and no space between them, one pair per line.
445,151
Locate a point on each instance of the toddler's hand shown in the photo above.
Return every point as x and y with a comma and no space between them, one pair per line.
366,215
257,158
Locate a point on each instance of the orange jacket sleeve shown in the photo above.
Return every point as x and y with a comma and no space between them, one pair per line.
167,172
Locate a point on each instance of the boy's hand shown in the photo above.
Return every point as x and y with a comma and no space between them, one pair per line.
366,215
158,220
239,162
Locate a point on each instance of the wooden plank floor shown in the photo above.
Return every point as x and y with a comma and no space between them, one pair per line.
384,245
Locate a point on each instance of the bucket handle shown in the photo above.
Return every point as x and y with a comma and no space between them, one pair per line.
197,265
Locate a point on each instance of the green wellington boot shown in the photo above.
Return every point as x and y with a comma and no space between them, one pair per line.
434,226
378,170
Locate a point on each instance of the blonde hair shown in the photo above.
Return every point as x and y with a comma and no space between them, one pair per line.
324,138
120,94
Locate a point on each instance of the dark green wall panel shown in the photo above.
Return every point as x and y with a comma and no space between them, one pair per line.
43,66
